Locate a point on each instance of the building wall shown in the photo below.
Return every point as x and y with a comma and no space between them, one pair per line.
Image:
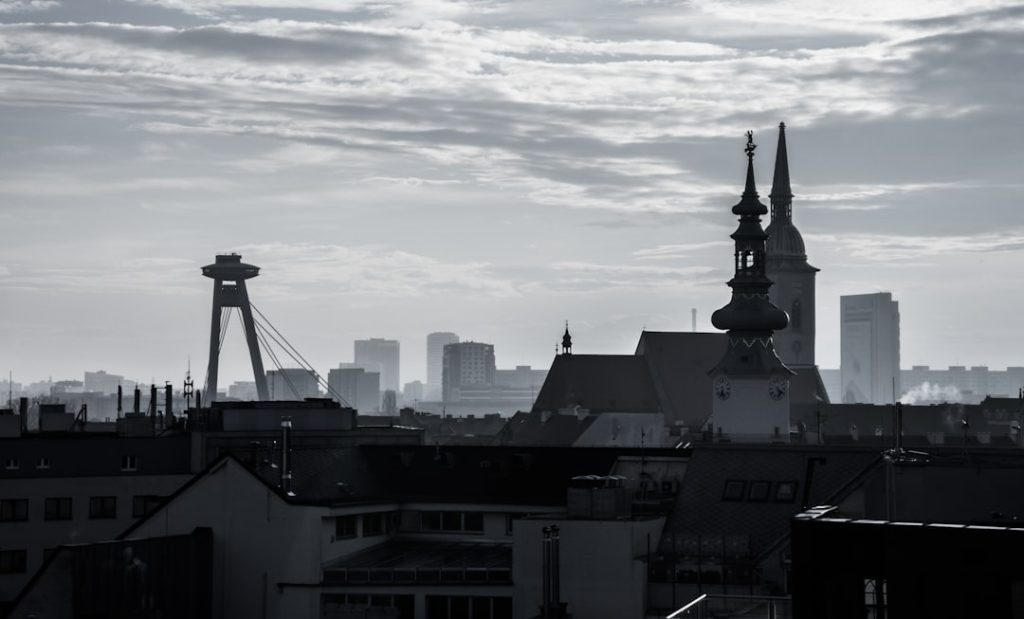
466,364
869,348
603,571
292,384
360,388
435,362
793,292
382,353
37,536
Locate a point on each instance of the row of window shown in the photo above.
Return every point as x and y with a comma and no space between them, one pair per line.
466,607
454,522
128,463
759,491
60,508
377,523
335,604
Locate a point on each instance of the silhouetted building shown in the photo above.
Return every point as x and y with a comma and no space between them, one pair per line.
101,382
413,392
360,388
786,266
292,384
243,390
750,382
435,362
466,365
870,348
383,355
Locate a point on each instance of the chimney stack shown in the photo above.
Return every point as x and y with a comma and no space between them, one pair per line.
137,407
286,466
23,412
693,318
168,404
120,395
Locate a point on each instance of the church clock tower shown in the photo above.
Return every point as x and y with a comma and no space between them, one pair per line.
750,383
787,267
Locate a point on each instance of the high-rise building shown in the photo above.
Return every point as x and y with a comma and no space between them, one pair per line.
435,362
869,342
412,393
101,382
360,388
786,265
466,364
292,384
244,390
383,355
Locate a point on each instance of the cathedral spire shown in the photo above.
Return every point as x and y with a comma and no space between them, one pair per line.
566,340
781,195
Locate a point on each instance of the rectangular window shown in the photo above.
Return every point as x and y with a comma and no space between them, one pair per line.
785,492
129,463
474,521
759,491
57,508
144,504
101,507
13,561
451,521
345,527
378,523
13,510
734,490
430,521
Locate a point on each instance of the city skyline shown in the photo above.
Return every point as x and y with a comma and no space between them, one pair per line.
388,184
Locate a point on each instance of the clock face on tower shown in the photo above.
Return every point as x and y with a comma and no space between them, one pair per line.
722,387
777,386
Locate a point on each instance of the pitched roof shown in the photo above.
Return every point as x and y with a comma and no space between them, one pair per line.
702,509
678,363
598,383
543,428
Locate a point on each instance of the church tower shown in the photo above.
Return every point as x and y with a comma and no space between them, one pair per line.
787,267
750,383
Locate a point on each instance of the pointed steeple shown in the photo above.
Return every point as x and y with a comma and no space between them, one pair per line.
781,195
566,340
749,203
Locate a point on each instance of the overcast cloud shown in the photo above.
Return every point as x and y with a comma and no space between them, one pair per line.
494,168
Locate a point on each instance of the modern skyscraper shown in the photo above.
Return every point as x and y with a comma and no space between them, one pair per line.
101,382
292,384
383,354
360,388
466,364
435,362
869,342
750,383
787,267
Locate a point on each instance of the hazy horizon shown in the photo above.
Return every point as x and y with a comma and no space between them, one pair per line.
493,169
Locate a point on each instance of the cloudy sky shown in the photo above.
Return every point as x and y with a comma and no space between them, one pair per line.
494,168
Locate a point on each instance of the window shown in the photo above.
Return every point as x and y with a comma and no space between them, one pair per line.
13,510
378,523
785,492
465,607
13,561
472,522
759,491
144,504
129,463
43,462
345,527
102,507
734,490
875,598
12,464
57,508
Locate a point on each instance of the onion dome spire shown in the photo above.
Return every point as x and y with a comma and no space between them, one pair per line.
750,318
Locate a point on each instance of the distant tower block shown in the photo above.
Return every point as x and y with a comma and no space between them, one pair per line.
229,274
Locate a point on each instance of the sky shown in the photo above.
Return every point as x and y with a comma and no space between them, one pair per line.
495,168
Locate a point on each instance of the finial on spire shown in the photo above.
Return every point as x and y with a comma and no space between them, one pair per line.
750,145
566,340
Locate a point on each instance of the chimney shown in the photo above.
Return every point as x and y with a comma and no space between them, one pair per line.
137,407
120,395
693,318
168,404
286,470
23,412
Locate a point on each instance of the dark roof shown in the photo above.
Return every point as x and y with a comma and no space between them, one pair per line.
701,508
598,383
678,363
806,386
543,429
